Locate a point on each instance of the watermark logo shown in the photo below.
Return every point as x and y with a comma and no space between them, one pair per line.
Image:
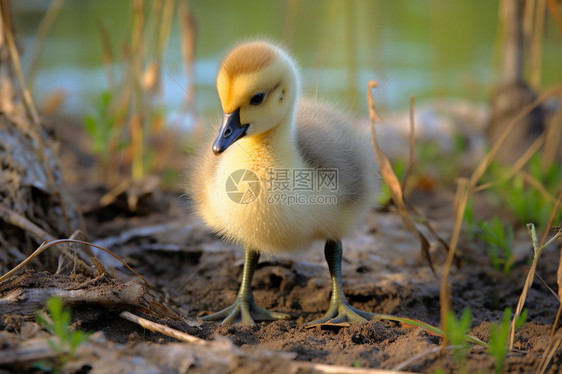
291,186
243,186
284,198
301,186
302,180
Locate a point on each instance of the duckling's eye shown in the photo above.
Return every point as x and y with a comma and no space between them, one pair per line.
257,99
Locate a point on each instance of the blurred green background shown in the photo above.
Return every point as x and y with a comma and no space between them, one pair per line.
433,48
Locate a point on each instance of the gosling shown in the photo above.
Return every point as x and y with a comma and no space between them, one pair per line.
283,173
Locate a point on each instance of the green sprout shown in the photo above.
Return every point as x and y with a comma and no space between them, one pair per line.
530,202
67,340
430,159
102,127
499,336
456,333
499,239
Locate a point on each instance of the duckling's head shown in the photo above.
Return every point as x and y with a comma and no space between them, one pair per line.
257,85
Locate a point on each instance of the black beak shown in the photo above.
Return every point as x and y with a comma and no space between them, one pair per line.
231,130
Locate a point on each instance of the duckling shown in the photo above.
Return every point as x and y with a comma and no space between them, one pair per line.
269,138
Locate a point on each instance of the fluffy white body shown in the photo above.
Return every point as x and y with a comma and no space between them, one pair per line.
284,135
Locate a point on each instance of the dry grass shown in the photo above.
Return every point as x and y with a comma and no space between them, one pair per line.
465,189
392,180
44,27
135,106
53,243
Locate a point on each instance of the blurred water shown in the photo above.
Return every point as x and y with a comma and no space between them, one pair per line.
433,48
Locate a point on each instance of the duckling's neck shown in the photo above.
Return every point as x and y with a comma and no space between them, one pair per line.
276,147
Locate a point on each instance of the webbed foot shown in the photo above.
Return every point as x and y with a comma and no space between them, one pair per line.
245,308
340,312
245,311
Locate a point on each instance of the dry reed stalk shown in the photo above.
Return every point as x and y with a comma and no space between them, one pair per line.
536,44
16,64
350,23
427,223
555,12
481,168
188,32
517,166
528,17
500,36
155,122
290,20
137,116
559,271
107,53
392,180
44,28
165,27
551,219
463,192
559,283
411,139
137,146
530,277
132,104
466,188
553,142
537,185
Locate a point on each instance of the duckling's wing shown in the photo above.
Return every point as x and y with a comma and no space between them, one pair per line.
327,138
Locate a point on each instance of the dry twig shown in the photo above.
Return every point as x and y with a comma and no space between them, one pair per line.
163,329
392,181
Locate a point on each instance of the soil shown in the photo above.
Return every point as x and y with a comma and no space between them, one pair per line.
383,272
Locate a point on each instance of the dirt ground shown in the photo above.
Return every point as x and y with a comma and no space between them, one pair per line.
383,273
196,274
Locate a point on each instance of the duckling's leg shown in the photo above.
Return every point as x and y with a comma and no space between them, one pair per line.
340,310
244,306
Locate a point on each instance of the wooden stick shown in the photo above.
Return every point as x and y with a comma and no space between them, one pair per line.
163,329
